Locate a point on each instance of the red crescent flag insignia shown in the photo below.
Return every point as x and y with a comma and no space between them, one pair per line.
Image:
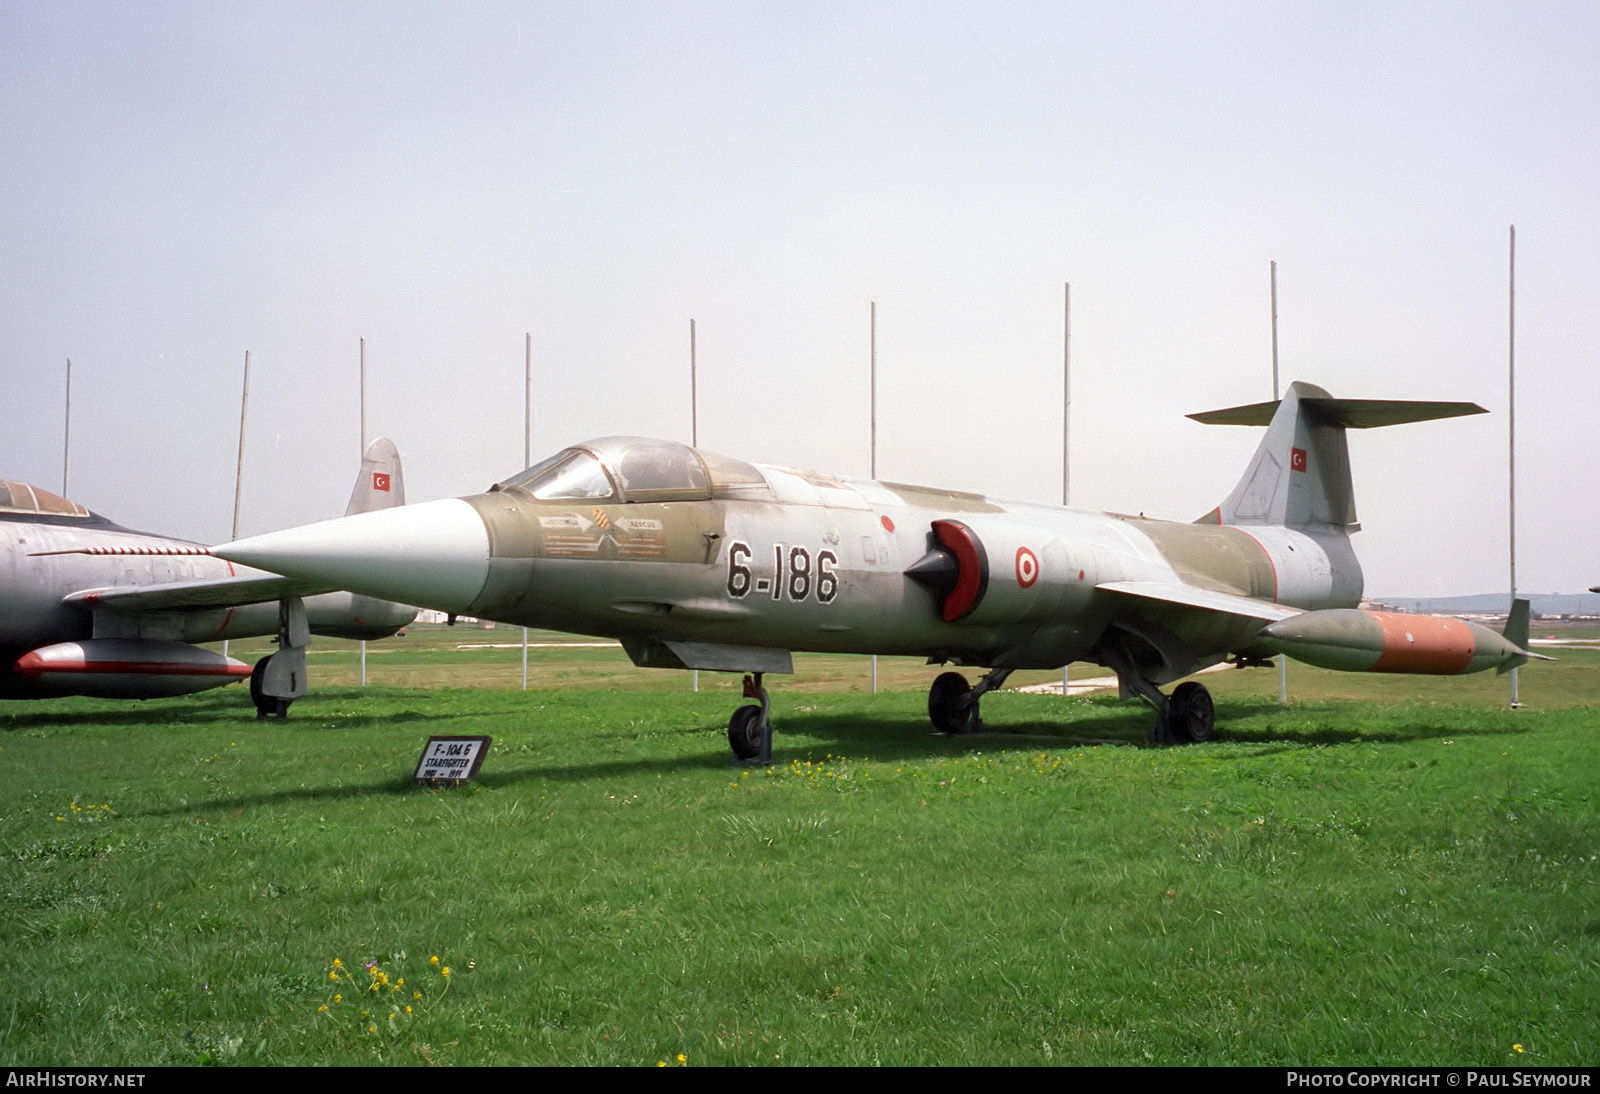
1297,459
380,481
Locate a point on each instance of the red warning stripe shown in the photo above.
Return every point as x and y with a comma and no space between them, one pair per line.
31,666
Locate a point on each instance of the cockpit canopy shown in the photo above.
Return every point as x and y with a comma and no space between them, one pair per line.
637,469
19,497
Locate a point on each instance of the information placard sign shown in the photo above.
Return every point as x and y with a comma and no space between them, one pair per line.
450,761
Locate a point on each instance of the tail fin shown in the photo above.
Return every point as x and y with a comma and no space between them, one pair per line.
1300,474
1516,632
380,484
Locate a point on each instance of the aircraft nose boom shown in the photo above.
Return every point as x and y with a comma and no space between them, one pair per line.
433,554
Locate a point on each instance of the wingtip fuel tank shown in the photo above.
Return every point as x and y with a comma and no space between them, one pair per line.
1358,640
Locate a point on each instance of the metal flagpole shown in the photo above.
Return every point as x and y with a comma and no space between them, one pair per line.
873,455
694,440
1283,660
363,456
238,471
527,452
1066,420
1511,429
66,431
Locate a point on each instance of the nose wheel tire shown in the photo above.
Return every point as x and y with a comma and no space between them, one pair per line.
744,732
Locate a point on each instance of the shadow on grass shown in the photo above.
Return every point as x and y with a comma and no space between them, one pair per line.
878,738
229,706
1238,722
234,707
1264,721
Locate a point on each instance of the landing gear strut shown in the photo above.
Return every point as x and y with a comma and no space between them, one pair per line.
750,728
1188,717
953,706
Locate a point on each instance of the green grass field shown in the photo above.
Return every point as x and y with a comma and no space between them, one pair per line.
1387,871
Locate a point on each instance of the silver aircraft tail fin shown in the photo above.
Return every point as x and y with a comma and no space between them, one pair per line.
380,483
1300,474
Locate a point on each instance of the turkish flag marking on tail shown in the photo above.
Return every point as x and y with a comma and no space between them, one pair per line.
380,481
1297,459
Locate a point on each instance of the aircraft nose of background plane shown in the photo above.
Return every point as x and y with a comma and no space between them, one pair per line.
434,554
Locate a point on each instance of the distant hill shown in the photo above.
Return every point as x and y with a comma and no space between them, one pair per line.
1489,603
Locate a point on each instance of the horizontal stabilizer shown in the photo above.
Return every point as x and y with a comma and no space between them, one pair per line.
1350,413
1300,474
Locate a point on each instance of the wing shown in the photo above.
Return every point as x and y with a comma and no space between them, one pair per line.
222,592
1190,596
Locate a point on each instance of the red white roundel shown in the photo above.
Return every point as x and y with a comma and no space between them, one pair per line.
1027,567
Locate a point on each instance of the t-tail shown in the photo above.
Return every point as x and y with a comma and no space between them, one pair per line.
1300,474
1299,478
380,484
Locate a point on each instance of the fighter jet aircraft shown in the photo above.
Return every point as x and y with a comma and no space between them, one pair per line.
88,607
698,561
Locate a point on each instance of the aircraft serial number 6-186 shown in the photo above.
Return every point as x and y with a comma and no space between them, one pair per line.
698,561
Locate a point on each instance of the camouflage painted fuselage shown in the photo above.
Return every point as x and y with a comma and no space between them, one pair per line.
814,562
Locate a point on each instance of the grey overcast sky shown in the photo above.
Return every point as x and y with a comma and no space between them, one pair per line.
185,182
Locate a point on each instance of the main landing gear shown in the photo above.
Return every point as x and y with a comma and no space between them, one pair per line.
1191,716
1188,716
280,678
267,706
953,706
750,728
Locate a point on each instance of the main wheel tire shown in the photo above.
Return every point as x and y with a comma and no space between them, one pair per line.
267,706
1191,714
744,732
949,708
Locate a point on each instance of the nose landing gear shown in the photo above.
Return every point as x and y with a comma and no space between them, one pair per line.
750,728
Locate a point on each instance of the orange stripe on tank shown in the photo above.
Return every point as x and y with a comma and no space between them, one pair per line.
1423,644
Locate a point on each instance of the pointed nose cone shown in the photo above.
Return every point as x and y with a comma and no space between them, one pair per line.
434,554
